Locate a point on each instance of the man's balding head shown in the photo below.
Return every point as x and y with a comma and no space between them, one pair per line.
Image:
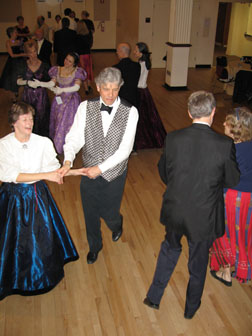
123,50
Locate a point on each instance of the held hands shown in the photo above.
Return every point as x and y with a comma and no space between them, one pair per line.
91,172
54,176
32,84
57,90
64,170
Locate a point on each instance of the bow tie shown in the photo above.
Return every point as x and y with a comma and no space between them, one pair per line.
106,108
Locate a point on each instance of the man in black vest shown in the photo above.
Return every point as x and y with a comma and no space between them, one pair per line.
196,165
105,129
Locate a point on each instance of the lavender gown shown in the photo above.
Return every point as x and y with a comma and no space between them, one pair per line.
62,115
38,98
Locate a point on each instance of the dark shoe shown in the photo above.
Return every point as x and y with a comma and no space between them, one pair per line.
188,315
92,257
116,235
150,304
225,282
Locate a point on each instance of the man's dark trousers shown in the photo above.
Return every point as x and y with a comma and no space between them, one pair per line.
167,260
101,199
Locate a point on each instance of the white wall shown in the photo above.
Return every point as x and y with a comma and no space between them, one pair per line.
145,29
204,22
155,32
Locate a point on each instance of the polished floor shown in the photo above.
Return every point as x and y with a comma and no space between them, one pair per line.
106,298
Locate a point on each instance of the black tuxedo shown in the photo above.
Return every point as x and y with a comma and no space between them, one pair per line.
196,165
64,42
130,73
45,52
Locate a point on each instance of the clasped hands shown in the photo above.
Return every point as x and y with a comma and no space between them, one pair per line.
35,83
90,172
57,90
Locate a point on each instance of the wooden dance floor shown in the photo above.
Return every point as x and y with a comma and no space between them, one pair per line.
106,298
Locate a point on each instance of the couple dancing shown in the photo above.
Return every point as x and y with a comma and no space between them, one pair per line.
34,240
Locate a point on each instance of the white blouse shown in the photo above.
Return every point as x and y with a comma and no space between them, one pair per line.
35,156
142,83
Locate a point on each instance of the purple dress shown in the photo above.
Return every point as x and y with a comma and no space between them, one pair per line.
37,98
62,115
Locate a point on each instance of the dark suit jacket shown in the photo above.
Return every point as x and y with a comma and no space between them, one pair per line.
64,42
196,165
130,73
45,52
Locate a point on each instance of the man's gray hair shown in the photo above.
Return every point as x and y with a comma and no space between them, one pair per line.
109,75
201,104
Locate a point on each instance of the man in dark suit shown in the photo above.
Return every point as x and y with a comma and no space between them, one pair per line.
196,165
64,41
44,47
130,73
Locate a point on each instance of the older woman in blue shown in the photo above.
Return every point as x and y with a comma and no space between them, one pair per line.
234,249
34,241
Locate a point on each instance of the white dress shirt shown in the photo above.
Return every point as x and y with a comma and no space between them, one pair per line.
34,156
75,139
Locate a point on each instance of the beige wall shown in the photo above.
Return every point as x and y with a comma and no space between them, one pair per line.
238,44
31,9
204,22
146,28
127,21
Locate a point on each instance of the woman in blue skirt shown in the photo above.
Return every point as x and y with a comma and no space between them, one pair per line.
34,241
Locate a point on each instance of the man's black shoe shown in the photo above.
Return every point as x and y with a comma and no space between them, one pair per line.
92,257
188,315
150,304
116,235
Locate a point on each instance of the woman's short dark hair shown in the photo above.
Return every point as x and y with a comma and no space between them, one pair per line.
20,17
75,56
10,30
57,16
18,109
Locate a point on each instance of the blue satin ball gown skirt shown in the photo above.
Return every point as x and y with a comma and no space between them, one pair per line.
34,241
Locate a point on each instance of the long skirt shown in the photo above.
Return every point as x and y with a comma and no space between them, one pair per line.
86,64
38,98
150,130
62,117
8,80
234,249
34,241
